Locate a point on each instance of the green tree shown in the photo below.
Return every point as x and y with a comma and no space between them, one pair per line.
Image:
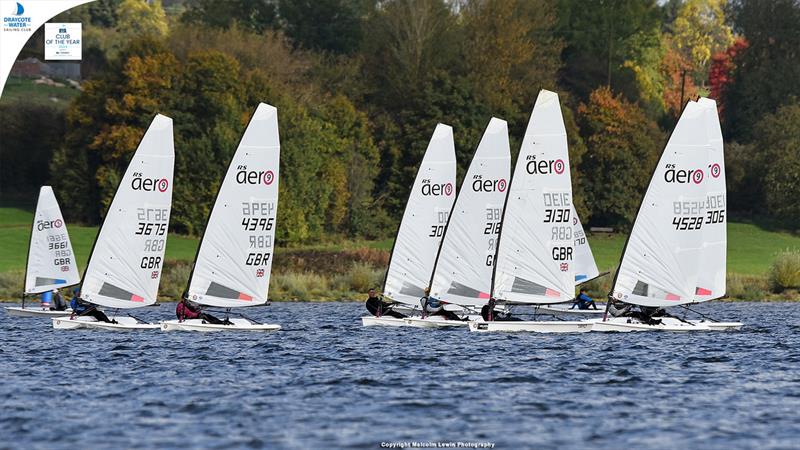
767,72
699,31
136,18
600,37
255,15
623,147
330,25
777,136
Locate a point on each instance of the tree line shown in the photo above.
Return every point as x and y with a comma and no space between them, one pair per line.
361,84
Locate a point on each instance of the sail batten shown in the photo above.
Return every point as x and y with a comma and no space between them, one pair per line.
424,220
463,271
51,260
535,258
234,260
125,267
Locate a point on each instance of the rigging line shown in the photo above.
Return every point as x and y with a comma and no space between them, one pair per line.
698,313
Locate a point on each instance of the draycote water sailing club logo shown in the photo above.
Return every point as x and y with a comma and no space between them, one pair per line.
244,176
17,20
544,166
436,189
140,183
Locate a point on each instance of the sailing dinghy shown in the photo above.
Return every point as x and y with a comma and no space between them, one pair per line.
234,261
126,262
536,248
51,261
462,271
675,254
421,229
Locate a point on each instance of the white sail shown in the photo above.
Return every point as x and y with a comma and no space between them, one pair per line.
51,261
536,251
662,257
235,257
126,263
424,221
711,278
463,271
585,265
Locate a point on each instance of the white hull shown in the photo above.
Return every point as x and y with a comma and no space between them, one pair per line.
564,309
385,321
433,322
720,326
17,311
559,326
414,322
627,324
124,323
199,325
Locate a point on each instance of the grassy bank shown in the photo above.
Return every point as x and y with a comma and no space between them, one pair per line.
345,269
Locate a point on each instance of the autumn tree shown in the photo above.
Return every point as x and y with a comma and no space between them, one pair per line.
623,147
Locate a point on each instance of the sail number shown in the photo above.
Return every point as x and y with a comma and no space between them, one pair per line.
149,228
257,259
493,218
556,215
257,223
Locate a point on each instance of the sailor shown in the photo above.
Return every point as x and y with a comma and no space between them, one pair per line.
432,306
58,303
618,308
186,309
583,301
487,312
80,307
377,307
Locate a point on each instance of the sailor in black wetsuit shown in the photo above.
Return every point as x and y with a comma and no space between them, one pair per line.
378,308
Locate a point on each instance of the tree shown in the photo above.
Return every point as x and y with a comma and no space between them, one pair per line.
510,53
767,72
254,15
136,18
777,136
700,31
599,40
720,74
329,25
623,147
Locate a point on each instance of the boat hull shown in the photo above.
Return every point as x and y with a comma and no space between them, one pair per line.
90,323
559,326
386,321
17,311
433,322
200,326
627,324
564,310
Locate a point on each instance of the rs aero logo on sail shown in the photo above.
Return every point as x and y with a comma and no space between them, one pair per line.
544,166
245,176
140,183
429,188
696,176
42,225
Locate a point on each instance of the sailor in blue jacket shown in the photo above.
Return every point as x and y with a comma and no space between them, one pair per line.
583,301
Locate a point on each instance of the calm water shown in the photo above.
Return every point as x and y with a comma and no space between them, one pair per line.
324,381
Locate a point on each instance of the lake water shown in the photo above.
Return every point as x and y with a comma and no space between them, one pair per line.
324,381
